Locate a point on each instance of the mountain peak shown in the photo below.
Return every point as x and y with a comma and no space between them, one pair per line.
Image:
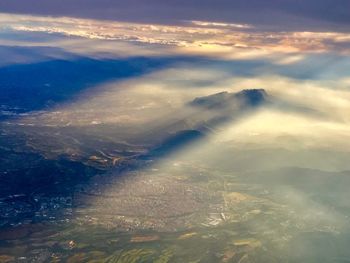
222,100
251,97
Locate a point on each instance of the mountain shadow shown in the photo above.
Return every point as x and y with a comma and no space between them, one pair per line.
39,86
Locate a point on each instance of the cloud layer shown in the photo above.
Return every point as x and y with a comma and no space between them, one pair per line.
192,37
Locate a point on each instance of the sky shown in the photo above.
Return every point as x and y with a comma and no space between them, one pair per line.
288,15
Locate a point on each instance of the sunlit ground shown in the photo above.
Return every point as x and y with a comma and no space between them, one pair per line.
135,169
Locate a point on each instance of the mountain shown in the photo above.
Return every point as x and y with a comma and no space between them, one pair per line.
225,100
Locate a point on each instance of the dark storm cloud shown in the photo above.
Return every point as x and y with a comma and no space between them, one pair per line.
332,15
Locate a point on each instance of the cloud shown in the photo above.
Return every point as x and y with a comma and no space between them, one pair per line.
223,40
